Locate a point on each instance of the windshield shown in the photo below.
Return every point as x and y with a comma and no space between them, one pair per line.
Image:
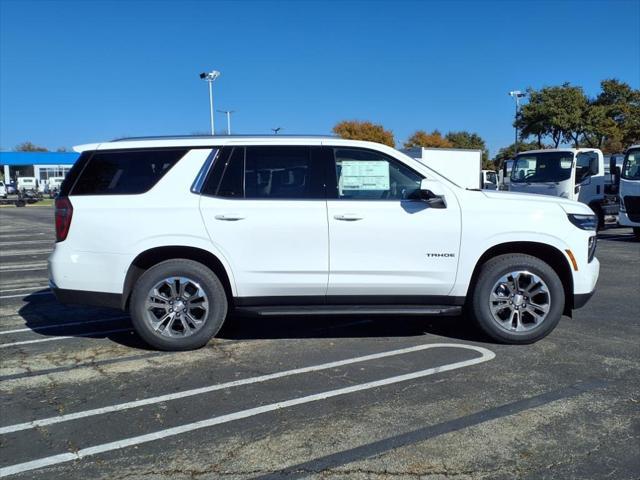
631,166
542,167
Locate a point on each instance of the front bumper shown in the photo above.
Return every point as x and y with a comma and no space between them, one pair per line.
581,299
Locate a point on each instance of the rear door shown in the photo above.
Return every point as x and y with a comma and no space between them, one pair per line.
385,241
265,209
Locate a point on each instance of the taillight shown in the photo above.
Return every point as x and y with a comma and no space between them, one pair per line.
63,212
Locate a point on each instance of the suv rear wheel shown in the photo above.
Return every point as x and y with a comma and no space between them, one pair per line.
178,305
517,299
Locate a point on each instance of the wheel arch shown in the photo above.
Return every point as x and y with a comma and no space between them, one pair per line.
545,252
153,256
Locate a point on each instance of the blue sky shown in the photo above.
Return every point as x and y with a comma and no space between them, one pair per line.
76,72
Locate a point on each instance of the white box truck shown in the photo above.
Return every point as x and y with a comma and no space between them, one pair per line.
462,167
629,215
574,174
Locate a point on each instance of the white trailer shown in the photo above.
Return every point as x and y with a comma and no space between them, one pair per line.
462,167
629,214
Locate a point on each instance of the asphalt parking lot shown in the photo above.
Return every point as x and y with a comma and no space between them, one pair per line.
335,397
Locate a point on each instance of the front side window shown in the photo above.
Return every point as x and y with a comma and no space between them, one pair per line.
631,166
542,167
369,175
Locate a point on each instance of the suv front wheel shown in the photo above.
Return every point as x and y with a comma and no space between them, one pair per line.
178,305
517,299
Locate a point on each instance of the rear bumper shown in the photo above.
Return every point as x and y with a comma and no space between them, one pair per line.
84,297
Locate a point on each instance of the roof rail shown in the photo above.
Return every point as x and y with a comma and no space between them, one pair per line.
213,137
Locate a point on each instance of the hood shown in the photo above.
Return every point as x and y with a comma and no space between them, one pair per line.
569,206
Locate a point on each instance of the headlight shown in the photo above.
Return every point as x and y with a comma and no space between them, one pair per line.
584,222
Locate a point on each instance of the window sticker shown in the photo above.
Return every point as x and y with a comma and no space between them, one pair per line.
566,163
365,175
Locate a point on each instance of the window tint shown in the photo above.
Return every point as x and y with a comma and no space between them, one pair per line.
283,172
368,175
125,172
232,181
211,183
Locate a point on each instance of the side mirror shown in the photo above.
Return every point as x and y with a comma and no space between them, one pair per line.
431,191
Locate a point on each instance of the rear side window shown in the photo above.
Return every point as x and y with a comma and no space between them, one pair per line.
125,172
283,172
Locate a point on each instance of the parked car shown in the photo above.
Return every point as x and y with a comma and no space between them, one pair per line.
3,190
184,230
11,188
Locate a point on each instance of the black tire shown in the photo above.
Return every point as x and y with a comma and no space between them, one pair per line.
636,232
597,209
490,273
208,281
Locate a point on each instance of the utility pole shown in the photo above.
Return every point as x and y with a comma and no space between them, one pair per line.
228,113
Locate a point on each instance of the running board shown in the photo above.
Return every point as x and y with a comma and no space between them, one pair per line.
269,311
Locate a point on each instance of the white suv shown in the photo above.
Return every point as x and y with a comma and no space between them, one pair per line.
180,231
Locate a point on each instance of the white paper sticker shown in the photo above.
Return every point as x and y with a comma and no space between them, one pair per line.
365,175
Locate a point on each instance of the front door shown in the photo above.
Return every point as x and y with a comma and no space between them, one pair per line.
265,210
383,240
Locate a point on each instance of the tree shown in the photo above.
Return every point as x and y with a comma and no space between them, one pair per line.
468,140
29,147
613,117
358,130
558,112
420,138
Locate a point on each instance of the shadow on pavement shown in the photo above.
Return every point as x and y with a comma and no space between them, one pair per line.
42,313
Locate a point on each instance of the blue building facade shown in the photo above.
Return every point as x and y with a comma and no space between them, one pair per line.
41,165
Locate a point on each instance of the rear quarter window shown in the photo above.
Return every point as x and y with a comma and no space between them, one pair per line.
124,172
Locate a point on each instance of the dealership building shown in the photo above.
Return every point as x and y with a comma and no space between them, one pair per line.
41,165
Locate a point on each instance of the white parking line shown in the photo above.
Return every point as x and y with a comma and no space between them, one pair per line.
25,295
212,388
32,288
58,325
26,242
23,267
486,355
53,339
20,253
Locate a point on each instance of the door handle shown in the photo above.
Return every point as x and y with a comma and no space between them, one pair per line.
230,217
348,217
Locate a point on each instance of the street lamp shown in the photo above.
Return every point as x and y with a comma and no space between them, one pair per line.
517,95
209,78
228,113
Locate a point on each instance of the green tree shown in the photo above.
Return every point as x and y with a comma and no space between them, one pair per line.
29,147
468,140
358,130
420,138
558,112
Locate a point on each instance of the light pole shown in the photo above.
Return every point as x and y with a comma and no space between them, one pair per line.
228,113
209,78
517,95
